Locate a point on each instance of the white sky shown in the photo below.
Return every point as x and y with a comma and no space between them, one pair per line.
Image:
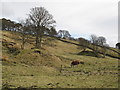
80,17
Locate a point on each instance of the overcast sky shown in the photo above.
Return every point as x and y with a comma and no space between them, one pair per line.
80,17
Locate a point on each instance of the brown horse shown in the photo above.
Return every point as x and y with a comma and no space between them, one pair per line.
76,62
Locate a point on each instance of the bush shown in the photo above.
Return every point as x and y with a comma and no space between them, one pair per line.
13,50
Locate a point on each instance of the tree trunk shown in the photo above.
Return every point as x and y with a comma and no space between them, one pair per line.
37,39
40,41
40,35
23,40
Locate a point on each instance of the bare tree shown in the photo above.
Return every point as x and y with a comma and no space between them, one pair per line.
98,40
64,34
67,34
101,40
102,43
24,30
94,39
40,18
53,31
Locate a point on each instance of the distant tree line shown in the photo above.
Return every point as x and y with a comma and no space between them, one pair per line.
9,25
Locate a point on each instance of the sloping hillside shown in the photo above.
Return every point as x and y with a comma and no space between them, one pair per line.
49,67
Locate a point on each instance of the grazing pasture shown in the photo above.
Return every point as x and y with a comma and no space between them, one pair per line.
50,66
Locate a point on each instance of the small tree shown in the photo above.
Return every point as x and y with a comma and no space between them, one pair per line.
53,31
101,40
94,41
5,24
64,34
24,30
17,26
98,41
102,43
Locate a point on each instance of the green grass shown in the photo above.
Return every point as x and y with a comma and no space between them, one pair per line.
30,69
44,77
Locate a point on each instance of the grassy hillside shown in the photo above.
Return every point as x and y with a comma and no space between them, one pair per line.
49,67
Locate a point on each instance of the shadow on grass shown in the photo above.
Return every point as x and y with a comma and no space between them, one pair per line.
89,53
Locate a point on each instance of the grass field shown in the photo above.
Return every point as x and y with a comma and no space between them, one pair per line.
51,67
